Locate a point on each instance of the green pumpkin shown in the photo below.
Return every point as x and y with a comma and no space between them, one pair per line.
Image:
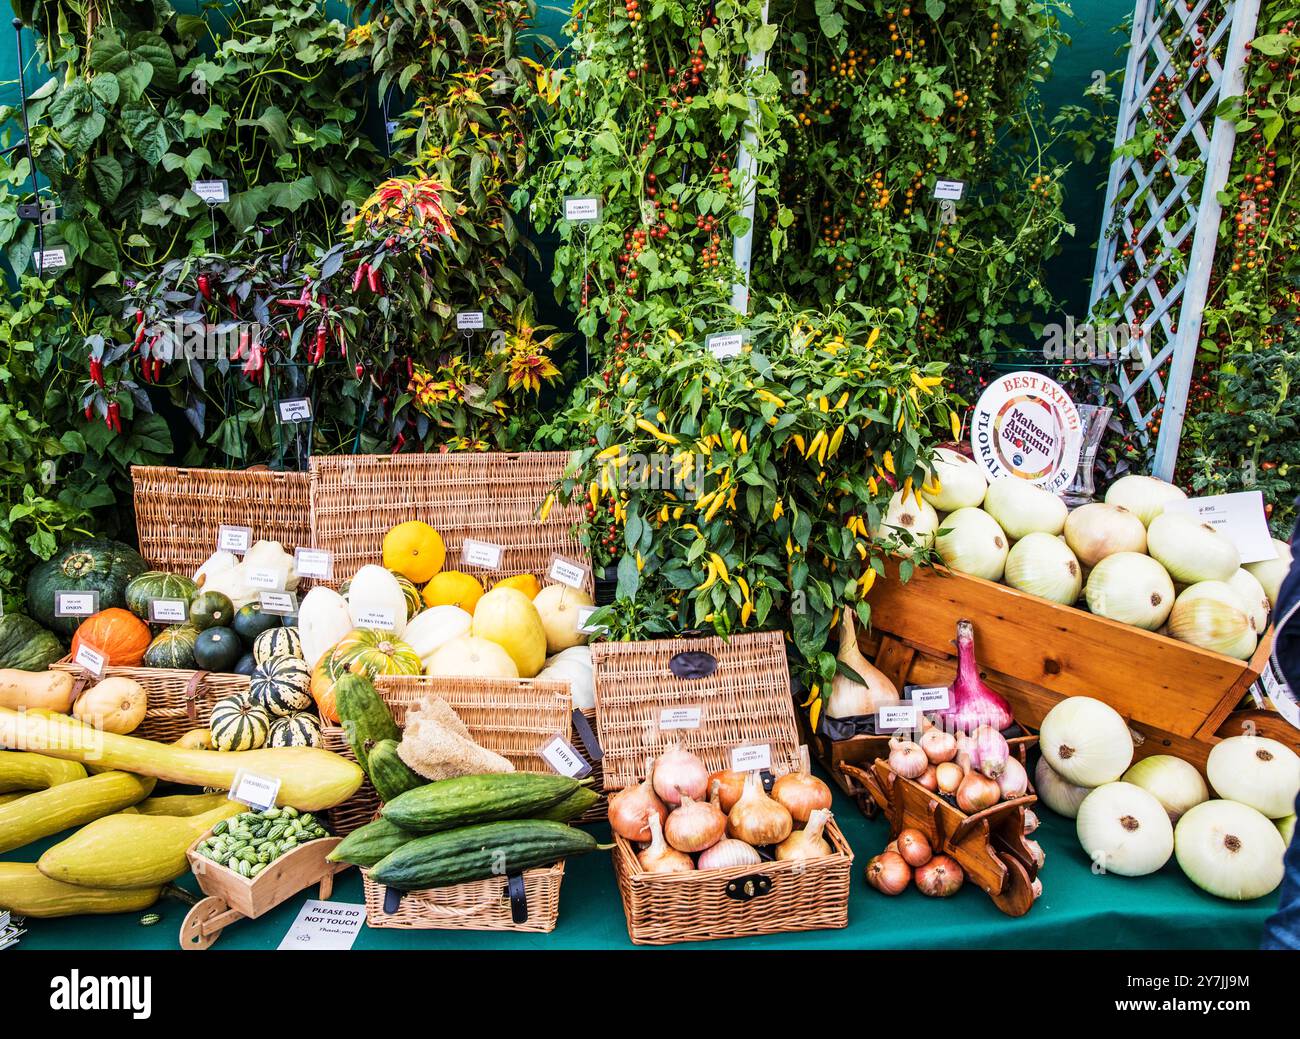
173,648
217,649
250,622
157,584
98,565
27,646
211,610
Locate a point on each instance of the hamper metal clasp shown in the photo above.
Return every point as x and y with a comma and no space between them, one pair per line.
745,888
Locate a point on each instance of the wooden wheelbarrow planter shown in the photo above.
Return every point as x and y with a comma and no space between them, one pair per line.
990,845
233,897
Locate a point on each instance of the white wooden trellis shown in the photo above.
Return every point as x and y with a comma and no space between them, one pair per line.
1151,211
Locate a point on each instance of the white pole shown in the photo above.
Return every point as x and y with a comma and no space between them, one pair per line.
742,249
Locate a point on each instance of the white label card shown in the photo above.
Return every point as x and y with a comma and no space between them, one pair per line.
258,792
168,611
284,604
483,554
295,409
567,572
213,192
270,578
75,604
328,926
469,320
314,562
930,697
724,345
234,539
91,659
582,209
380,618
895,717
680,717
949,190
751,758
584,621
1239,516
562,756
50,260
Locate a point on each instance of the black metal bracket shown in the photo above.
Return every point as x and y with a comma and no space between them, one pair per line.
746,888
518,898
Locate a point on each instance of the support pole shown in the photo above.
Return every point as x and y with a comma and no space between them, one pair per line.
742,248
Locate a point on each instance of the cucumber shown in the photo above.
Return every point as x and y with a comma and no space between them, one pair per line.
478,852
571,807
450,803
389,773
370,844
366,718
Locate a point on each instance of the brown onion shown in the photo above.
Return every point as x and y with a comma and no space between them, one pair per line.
678,772
756,819
659,857
807,843
929,779
694,825
888,873
730,785
941,877
801,792
906,758
948,776
977,792
629,808
915,848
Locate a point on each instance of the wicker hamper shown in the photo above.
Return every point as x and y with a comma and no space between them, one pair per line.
745,699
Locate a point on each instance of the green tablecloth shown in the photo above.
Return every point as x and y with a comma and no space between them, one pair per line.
1077,911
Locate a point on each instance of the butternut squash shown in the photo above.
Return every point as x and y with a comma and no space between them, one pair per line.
26,891
47,812
181,804
117,704
310,778
48,690
20,770
130,850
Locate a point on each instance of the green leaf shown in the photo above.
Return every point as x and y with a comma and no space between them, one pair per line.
105,87
935,8
629,578
292,195
245,207
607,141
150,47
109,177
273,121
146,133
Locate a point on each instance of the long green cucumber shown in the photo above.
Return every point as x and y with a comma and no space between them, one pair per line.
366,718
571,807
368,845
478,852
391,775
466,800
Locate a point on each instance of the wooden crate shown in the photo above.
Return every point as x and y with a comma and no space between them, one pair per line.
1177,698
745,700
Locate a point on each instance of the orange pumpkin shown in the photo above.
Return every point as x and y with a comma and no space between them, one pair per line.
119,634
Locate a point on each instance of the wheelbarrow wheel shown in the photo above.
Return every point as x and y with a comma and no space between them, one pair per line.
194,935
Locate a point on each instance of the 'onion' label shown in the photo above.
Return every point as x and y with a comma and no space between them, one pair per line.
680,717
75,604
756,758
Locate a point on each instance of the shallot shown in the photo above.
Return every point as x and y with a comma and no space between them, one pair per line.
1031,821
1014,781
972,703
694,825
807,843
914,846
929,779
629,808
949,776
906,758
977,792
756,819
659,857
939,746
889,873
728,853
941,877
678,772
990,753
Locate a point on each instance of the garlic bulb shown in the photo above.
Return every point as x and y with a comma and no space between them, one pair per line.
850,699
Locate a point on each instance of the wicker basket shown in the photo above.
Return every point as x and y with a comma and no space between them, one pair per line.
178,700
744,700
178,511
511,717
599,812
490,496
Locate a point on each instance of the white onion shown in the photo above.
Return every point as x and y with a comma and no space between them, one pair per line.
1144,496
1229,850
1212,616
1131,588
961,481
1252,596
1256,771
971,542
1086,742
1270,573
1191,550
1125,830
1171,781
1043,565
1097,530
1021,508
1286,827
916,516
1060,796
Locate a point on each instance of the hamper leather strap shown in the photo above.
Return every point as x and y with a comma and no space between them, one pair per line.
192,688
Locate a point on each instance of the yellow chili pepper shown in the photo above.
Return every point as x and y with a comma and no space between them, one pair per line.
703,503
731,498
546,508
862,551
610,452
656,432
770,398
640,563
721,566
718,502
907,489
797,439
744,586
815,691
593,493
663,514
864,584
871,339
777,510
674,335
839,405
889,461
819,441
823,405
872,486
677,512
661,418
815,713
710,580
746,611
821,451
955,422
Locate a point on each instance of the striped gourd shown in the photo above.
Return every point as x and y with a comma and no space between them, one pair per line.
281,686
299,729
238,724
277,642
373,653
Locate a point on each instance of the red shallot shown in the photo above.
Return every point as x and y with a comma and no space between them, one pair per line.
629,807
972,703
990,753
1014,781
888,873
941,877
1031,821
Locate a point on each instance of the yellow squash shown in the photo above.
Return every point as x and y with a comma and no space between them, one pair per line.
26,891
21,770
47,812
181,804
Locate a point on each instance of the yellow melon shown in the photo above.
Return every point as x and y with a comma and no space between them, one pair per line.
558,606
467,655
453,588
526,583
508,617
415,550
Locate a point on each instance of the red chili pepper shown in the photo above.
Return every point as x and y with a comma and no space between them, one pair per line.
146,366
139,318
256,360
158,363
397,444
360,371
90,410
139,338
241,351
376,280
410,370
97,372
322,338
205,287
363,269
114,417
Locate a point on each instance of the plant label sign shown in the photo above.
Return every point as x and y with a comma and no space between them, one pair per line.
680,717
1239,516
725,345
756,758
234,539
929,697
213,192
566,571
562,756
295,409
331,926
258,792
378,617
469,320
49,260
1273,685
582,209
91,659
314,562
75,604
283,604
949,190
168,611
584,621
272,578
1025,425
896,718
483,554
